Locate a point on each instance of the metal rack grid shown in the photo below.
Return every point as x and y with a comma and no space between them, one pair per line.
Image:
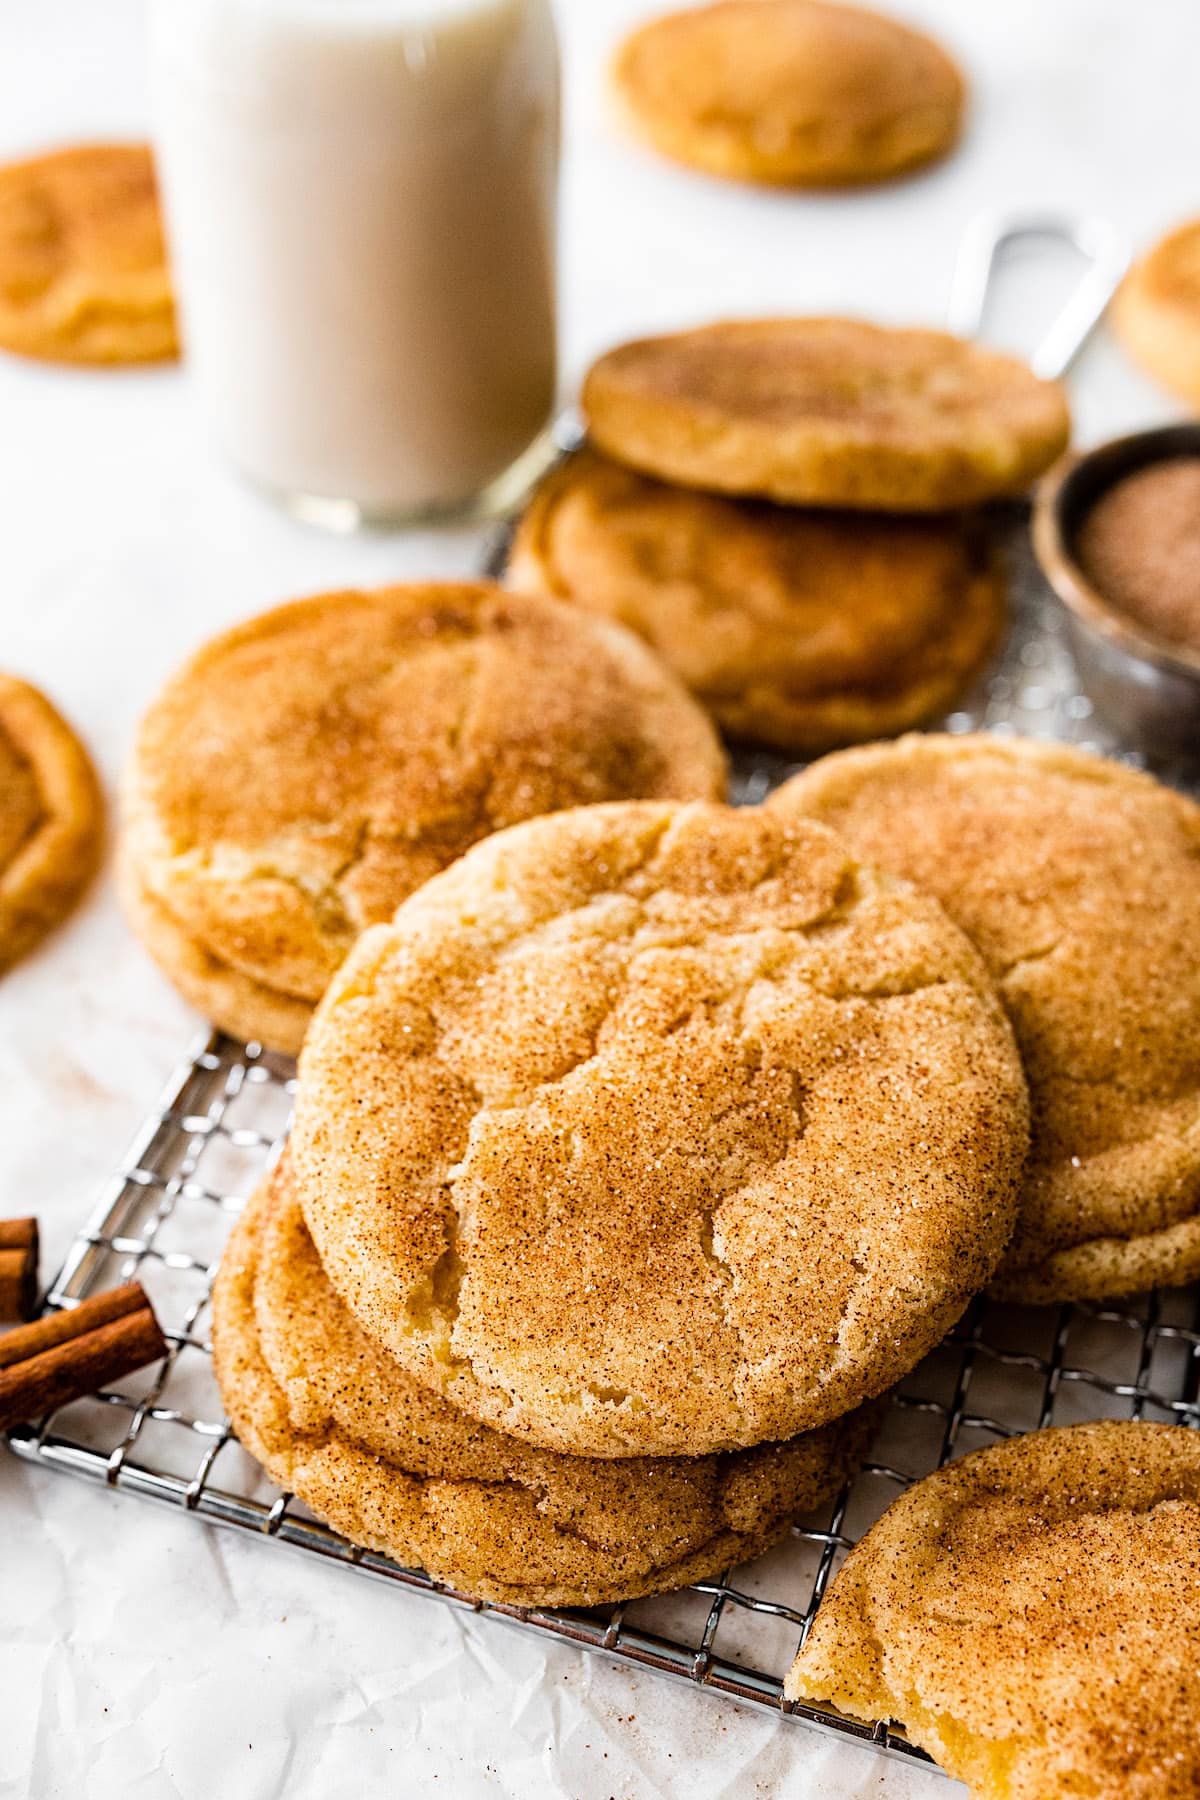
165,1216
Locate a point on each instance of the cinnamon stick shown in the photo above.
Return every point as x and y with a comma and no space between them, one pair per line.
72,1353
18,1269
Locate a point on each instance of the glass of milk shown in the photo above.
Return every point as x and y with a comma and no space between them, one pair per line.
361,205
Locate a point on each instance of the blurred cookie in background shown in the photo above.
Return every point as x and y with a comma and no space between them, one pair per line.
800,630
790,92
51,818
83,266
1157,312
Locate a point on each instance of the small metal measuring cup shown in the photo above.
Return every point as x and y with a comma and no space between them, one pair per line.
1149,691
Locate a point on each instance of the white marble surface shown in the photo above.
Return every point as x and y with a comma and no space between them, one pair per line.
142,1655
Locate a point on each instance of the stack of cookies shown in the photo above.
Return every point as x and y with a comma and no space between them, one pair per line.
391,1463
650,1143
787,510
637,1154
642,1144
634,1159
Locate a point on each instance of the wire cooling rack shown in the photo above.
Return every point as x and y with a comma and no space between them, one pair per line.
166,1214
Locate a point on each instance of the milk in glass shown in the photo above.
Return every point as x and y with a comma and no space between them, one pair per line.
360,201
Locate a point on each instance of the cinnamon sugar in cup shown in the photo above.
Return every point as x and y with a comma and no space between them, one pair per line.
1117,555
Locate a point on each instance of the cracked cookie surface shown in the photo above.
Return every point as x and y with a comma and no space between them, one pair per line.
661,1130
1031,1614
793,92
307,770
798,629
1079,880
336,1420
826,412
51,818
83,268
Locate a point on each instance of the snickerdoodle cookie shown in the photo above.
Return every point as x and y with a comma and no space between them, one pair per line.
653,1129
1079,880
308,769
797,629
1031,1615
1157,312
335,1419
83,270
51,818
790,91
827,412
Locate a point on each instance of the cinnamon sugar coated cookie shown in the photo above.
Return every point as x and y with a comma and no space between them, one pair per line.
308,769
790,91
83,269
663,1130
51,818
1157,312
1031,1615
801,630
827,412
335,1420
1079,880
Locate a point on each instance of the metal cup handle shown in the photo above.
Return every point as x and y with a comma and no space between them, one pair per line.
1098,241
